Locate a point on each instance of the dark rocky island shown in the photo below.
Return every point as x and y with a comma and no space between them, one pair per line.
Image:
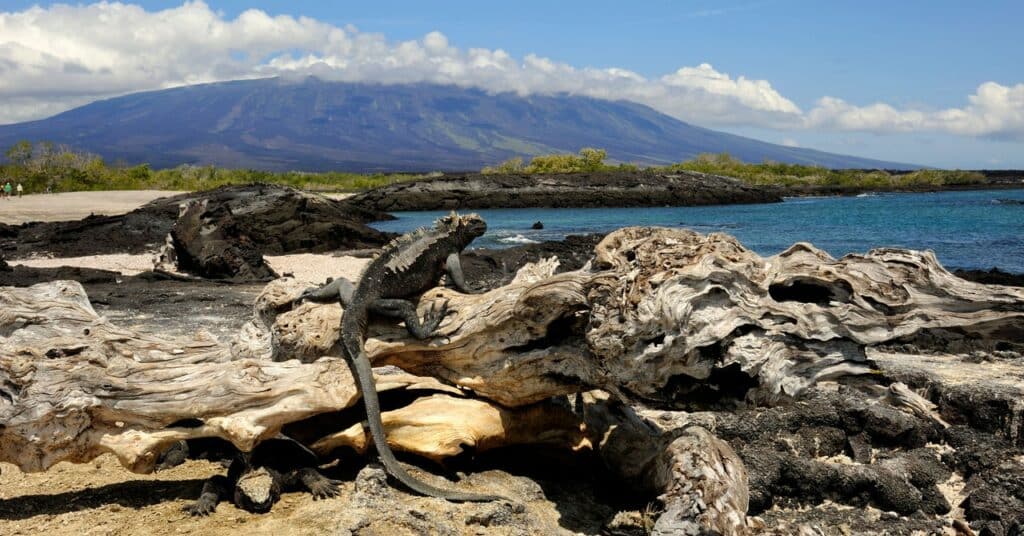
600,189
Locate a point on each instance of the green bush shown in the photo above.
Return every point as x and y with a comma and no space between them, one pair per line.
587,160
512,165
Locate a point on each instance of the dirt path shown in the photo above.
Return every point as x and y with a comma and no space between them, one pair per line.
74,205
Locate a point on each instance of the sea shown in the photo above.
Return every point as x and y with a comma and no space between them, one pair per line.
966,229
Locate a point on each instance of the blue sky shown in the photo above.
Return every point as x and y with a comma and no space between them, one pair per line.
898,77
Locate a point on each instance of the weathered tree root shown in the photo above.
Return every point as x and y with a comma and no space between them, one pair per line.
668,317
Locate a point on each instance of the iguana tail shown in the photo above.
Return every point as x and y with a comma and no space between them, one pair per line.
364,376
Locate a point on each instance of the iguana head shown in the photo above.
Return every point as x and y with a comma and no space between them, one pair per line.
468,226
257,490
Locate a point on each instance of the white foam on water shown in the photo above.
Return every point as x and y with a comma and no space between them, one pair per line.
518,239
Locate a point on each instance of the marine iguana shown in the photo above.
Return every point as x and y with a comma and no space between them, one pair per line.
256,479
408,266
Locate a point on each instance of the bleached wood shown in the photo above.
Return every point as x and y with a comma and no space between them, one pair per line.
656,308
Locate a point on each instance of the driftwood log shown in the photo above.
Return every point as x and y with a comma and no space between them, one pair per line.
662,318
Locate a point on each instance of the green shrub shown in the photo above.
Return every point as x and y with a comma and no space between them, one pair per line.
588,159
512,165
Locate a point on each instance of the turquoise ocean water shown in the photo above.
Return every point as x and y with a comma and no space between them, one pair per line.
974,229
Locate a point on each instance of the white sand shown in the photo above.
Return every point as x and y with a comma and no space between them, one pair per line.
74,205
77,205
315,268
119,262
308,267
311,268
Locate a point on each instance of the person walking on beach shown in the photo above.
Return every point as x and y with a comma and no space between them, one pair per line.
20,190
7,190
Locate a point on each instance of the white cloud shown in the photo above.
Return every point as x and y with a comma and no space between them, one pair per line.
61,56
754,94
994,110
790,142
58,57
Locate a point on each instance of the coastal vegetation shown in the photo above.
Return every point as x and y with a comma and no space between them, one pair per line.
765,173
780,174
588,160
46,166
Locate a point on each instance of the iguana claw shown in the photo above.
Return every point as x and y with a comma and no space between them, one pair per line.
433,317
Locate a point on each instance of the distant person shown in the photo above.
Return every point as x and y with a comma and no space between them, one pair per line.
7,190
20,189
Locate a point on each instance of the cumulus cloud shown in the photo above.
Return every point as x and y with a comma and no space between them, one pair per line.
58,57
994,111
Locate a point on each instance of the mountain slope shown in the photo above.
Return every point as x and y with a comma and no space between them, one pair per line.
317,125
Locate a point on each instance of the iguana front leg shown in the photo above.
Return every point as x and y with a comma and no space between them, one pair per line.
309,478
174,456
334,290
214,490
453,268
406,310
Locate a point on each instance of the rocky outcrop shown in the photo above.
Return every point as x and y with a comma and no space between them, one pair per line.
491,268
993,276
280,219
211,243
23,276
276,219
605,189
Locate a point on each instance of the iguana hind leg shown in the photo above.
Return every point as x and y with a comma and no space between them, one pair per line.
406,310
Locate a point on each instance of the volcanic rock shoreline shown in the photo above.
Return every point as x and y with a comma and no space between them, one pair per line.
276,219
610,189
604,189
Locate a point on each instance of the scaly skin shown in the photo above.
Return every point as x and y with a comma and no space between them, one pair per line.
276,466
405,268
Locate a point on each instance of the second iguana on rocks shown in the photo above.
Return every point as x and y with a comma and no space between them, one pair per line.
256,479
407,267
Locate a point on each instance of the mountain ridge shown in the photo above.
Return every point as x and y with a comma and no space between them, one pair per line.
316,125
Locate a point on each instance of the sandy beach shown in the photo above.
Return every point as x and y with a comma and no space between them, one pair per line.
306,267
75,205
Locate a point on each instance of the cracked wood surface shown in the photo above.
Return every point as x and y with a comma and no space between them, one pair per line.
658,314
